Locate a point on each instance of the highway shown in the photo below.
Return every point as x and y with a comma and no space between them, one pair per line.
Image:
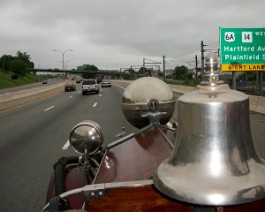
34,136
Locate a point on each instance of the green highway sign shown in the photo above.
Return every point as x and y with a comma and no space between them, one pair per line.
242,49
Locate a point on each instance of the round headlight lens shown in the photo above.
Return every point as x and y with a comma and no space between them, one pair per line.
86,137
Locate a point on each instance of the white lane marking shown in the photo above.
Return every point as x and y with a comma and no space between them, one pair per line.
120,86
95,104
70,97
49,108
100,94
66,145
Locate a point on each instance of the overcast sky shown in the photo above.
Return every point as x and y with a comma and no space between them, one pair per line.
114,34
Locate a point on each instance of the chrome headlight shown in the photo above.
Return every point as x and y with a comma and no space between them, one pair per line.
86,138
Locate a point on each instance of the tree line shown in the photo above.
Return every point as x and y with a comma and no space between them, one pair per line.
18,65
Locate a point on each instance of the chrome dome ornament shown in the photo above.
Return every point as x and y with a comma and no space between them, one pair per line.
214,161
136,101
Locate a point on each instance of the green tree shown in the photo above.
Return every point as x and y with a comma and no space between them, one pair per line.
181,72
251,76
25,58
145,71
89,71
90,68
19,64
18,67
243,76
131,71
5,62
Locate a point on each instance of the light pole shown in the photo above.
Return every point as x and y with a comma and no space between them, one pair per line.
62,52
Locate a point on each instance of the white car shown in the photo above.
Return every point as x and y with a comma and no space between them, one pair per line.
106,83
90,86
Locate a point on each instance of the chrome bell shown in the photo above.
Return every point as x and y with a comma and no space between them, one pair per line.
214,161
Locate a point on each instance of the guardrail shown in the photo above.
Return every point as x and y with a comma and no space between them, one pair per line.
256,103
9,96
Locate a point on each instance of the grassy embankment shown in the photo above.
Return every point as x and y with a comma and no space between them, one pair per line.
7,82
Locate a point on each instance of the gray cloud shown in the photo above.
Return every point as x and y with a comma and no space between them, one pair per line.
119,33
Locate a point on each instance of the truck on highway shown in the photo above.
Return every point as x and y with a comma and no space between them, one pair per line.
90,86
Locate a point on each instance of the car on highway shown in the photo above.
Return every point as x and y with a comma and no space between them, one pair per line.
69,87
99,80
90,86
105,83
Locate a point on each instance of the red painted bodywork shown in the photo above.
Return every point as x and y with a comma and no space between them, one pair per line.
73,178
136,159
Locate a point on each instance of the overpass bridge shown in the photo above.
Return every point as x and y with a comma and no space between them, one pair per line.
116,73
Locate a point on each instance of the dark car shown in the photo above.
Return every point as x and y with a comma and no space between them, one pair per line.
106,83
69,87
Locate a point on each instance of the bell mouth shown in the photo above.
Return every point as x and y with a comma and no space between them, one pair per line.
181,184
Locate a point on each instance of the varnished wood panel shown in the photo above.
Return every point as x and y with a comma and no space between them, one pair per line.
147,198
136,159
143,198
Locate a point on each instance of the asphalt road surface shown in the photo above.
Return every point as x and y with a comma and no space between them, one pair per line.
34,136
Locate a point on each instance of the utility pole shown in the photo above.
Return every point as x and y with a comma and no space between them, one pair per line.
202,59
143,66
261,83
151,62
196,67
164,67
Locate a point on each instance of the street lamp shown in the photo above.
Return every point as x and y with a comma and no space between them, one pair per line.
62,52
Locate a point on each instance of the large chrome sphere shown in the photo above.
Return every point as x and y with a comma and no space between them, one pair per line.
137,95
